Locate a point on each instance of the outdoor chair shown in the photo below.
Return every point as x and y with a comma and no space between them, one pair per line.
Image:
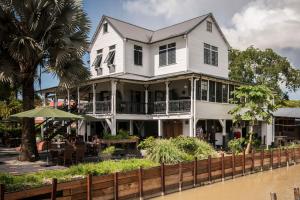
80,153
67,155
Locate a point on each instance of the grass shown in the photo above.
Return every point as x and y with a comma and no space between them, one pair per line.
31,180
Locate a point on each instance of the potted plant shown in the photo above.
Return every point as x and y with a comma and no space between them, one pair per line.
107,153
146,145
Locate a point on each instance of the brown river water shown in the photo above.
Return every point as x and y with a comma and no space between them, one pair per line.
256,186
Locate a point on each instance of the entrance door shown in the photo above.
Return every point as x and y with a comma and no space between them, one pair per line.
172,128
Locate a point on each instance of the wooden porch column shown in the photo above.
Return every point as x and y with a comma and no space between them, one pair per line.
146,98
167,97
94,98
223,124
113,107
195,101
191,121
44,99
130,127
160,128
55,100
78,99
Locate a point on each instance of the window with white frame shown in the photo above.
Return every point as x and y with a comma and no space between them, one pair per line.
204,90
219,92
167,54
138,55
212,91
98,59
210,55
225,93
209,26
110,58
99,71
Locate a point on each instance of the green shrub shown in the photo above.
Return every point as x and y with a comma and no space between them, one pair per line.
188,145
236,145
164,151
109,150
147,144
204,150
21,182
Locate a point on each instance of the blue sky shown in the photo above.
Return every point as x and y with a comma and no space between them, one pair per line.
244,22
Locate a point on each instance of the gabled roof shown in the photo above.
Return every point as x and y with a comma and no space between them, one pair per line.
137,33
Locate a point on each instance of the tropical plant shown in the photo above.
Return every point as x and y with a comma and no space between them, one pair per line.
253,103
164,151
46,34
147,144
109,150
236,145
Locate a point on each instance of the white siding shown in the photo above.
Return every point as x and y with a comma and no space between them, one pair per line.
146,69
210,110
196,40
103,41
180,57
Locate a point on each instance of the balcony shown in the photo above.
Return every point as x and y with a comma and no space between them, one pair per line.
102,107
179,106
131,108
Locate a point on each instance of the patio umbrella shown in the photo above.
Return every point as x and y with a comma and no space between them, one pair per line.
47,113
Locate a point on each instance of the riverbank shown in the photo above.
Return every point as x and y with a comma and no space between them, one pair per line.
256,186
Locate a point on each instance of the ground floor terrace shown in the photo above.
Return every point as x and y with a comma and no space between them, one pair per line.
190,104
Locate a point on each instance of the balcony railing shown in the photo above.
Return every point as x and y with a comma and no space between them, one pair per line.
179,106
159,107
131,108
102,107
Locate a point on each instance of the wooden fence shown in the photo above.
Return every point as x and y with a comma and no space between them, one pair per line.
160,180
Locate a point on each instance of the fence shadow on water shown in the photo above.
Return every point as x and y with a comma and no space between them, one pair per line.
161,180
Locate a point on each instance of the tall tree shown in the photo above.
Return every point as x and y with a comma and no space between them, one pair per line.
266,67
47,33
253,103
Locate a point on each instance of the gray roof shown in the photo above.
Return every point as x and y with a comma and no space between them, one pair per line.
287,112
137,33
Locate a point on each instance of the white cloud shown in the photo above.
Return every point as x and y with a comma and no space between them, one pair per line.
266,24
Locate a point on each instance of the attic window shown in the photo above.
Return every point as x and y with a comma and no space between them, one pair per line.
209,26
105,28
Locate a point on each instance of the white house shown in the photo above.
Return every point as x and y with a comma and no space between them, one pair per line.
167,82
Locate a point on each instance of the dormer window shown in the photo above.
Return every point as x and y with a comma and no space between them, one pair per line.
167,54
209,26
105,28
98,59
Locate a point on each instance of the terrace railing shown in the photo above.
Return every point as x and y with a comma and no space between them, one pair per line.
125,107
180,106
102,107
159,107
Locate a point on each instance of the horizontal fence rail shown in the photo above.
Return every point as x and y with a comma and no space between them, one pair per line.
160,180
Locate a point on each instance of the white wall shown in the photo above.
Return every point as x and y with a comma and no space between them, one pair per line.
268,131
181,64
146,69
103,41
185,127
211,110
196,40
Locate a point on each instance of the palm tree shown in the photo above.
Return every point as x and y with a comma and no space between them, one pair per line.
51,34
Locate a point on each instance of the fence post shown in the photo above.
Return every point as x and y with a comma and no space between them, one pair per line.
252,158
273,196
180,176
195,171
141,183
244,162
233,164
116,186
89,187
223,167
294,155
54,188
2,190
296,194
279,157
271,159
209,167
162,176
262,156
